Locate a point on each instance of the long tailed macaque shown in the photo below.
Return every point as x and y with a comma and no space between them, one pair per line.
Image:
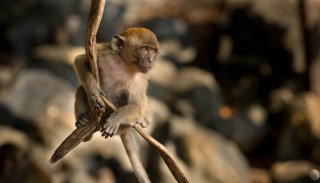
123,64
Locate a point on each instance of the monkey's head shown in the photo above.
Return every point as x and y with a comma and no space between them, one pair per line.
137,46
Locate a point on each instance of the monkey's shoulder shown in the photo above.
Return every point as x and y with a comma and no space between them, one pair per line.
103,46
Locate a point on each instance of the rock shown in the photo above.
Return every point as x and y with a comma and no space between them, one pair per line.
18,166
160,111
105,175
8,74
283,14
260,176
201,90
312,113
300,135
244,132
58,53
163,68
36,92
175,51
201,98
204,155
160,86
206,104
291,170
185,108
189,78
11,136
315,76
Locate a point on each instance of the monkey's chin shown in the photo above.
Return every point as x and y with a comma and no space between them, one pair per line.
145,69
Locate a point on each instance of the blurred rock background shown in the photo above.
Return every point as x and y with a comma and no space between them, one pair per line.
234,93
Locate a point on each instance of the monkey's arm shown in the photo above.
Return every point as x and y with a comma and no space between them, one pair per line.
84,74
90,85
131,113
147,116
127,115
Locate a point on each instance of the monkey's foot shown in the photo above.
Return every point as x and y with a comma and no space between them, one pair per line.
144,123
82,121
110,127
95,100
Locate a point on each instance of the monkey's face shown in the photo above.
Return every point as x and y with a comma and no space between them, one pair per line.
138,46
145,57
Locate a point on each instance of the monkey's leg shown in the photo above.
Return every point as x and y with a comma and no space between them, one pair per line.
81,109
139,170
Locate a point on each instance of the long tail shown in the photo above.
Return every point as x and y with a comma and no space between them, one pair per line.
139,170
165,155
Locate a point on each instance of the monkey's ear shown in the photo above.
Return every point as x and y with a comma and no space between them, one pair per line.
117,43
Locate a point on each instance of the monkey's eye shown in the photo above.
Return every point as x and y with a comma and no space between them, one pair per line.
153,50
144,48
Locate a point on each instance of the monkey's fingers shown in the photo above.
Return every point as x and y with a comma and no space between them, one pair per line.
82,121
78,125
105,135
109,131
102,93
97,103
144,123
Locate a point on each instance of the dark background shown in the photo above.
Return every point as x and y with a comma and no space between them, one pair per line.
234,93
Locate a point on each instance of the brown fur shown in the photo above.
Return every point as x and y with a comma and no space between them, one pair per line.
123,63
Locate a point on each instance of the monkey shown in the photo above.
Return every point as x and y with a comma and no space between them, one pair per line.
123,65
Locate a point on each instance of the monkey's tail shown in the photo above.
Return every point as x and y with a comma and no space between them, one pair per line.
165,155
139,170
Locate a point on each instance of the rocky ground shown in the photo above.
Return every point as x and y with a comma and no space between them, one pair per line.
228,92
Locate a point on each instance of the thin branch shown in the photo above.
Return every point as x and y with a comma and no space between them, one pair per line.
95,16
165,155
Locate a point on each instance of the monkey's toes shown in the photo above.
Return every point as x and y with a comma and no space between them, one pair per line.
144,123
97,103
109,130
82,121
99,107
106,135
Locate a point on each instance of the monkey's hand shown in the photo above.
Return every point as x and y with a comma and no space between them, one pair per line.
95,100
82,121
146,119
144,123
111,124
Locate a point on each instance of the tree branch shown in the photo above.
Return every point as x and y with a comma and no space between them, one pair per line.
95,16
85,132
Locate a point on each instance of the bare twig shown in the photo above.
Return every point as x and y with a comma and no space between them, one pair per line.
95,16
74,139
